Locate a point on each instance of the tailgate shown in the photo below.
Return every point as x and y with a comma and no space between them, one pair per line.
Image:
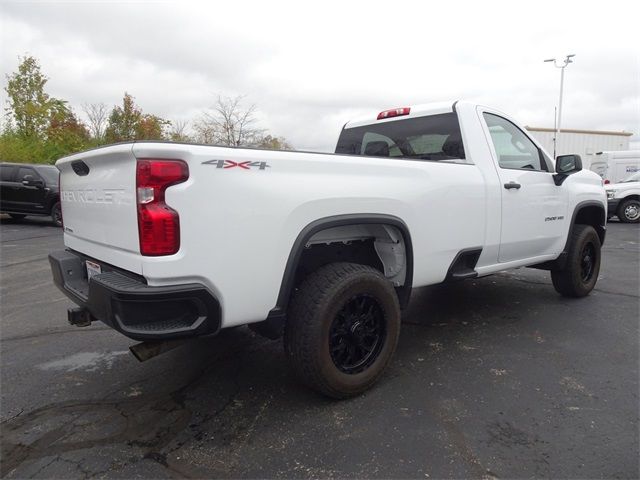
98,195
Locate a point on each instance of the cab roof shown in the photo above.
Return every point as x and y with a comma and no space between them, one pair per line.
33,165
420,110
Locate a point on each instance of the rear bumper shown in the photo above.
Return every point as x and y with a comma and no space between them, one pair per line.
130,306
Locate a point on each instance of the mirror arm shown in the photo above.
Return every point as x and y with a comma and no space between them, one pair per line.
559,178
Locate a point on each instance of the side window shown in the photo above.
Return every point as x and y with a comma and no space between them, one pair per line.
22,171
6,173
513,148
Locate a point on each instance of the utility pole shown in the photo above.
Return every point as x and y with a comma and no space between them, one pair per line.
567,61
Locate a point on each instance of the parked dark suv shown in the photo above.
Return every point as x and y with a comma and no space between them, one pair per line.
30,190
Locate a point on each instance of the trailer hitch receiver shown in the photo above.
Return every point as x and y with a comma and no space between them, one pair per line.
79,317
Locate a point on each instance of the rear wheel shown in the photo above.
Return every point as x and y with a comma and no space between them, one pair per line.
56,214
629,211
343,328
580,273
17,216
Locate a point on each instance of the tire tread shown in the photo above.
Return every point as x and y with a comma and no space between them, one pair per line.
566,281
315,290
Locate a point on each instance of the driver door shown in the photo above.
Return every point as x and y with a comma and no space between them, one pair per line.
534,209
28,198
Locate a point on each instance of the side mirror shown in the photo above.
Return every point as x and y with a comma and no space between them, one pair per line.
565,166
30,181
568,164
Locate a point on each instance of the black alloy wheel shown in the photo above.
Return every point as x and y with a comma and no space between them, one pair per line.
587,262
357,334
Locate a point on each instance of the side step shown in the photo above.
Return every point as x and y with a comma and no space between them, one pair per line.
463,266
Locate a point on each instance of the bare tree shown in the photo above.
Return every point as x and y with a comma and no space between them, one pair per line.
97,113
204,131
229,123
178,132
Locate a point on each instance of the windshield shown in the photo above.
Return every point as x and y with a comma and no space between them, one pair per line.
634,177
434,137
49,173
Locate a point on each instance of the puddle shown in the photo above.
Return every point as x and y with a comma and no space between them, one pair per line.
89,361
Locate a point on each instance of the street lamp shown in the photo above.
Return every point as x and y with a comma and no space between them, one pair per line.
566,62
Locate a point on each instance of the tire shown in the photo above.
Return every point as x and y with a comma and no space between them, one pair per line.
580,273
17,216
629,211
342,329
56,214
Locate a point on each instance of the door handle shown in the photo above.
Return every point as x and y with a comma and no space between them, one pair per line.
511,185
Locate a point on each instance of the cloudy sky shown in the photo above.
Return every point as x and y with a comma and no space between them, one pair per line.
309,66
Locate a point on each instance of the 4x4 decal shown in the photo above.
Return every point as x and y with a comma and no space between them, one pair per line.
248,165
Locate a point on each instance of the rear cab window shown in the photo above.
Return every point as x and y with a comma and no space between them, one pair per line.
432,137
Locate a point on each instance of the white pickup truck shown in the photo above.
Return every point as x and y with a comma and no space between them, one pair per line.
624,199
168,241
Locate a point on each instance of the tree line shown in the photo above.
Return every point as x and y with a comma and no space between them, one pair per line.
39,128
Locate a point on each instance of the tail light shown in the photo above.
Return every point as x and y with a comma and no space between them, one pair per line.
607,182
158,224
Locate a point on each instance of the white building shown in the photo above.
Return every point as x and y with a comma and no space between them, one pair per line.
585,143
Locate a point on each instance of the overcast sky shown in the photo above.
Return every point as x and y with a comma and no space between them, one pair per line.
309,66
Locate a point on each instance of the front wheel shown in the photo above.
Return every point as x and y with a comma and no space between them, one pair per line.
580,273
629,211
56,214
342,329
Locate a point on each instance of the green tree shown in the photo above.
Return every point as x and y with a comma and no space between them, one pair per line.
65,133
123,120
274,143
39,128
127,122
30,107
151,127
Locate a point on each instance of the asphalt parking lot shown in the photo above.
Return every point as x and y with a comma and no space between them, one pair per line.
494,378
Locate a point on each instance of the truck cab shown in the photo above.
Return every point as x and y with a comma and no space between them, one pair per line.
524,211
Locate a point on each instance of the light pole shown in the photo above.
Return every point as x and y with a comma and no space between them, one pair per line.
566,62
